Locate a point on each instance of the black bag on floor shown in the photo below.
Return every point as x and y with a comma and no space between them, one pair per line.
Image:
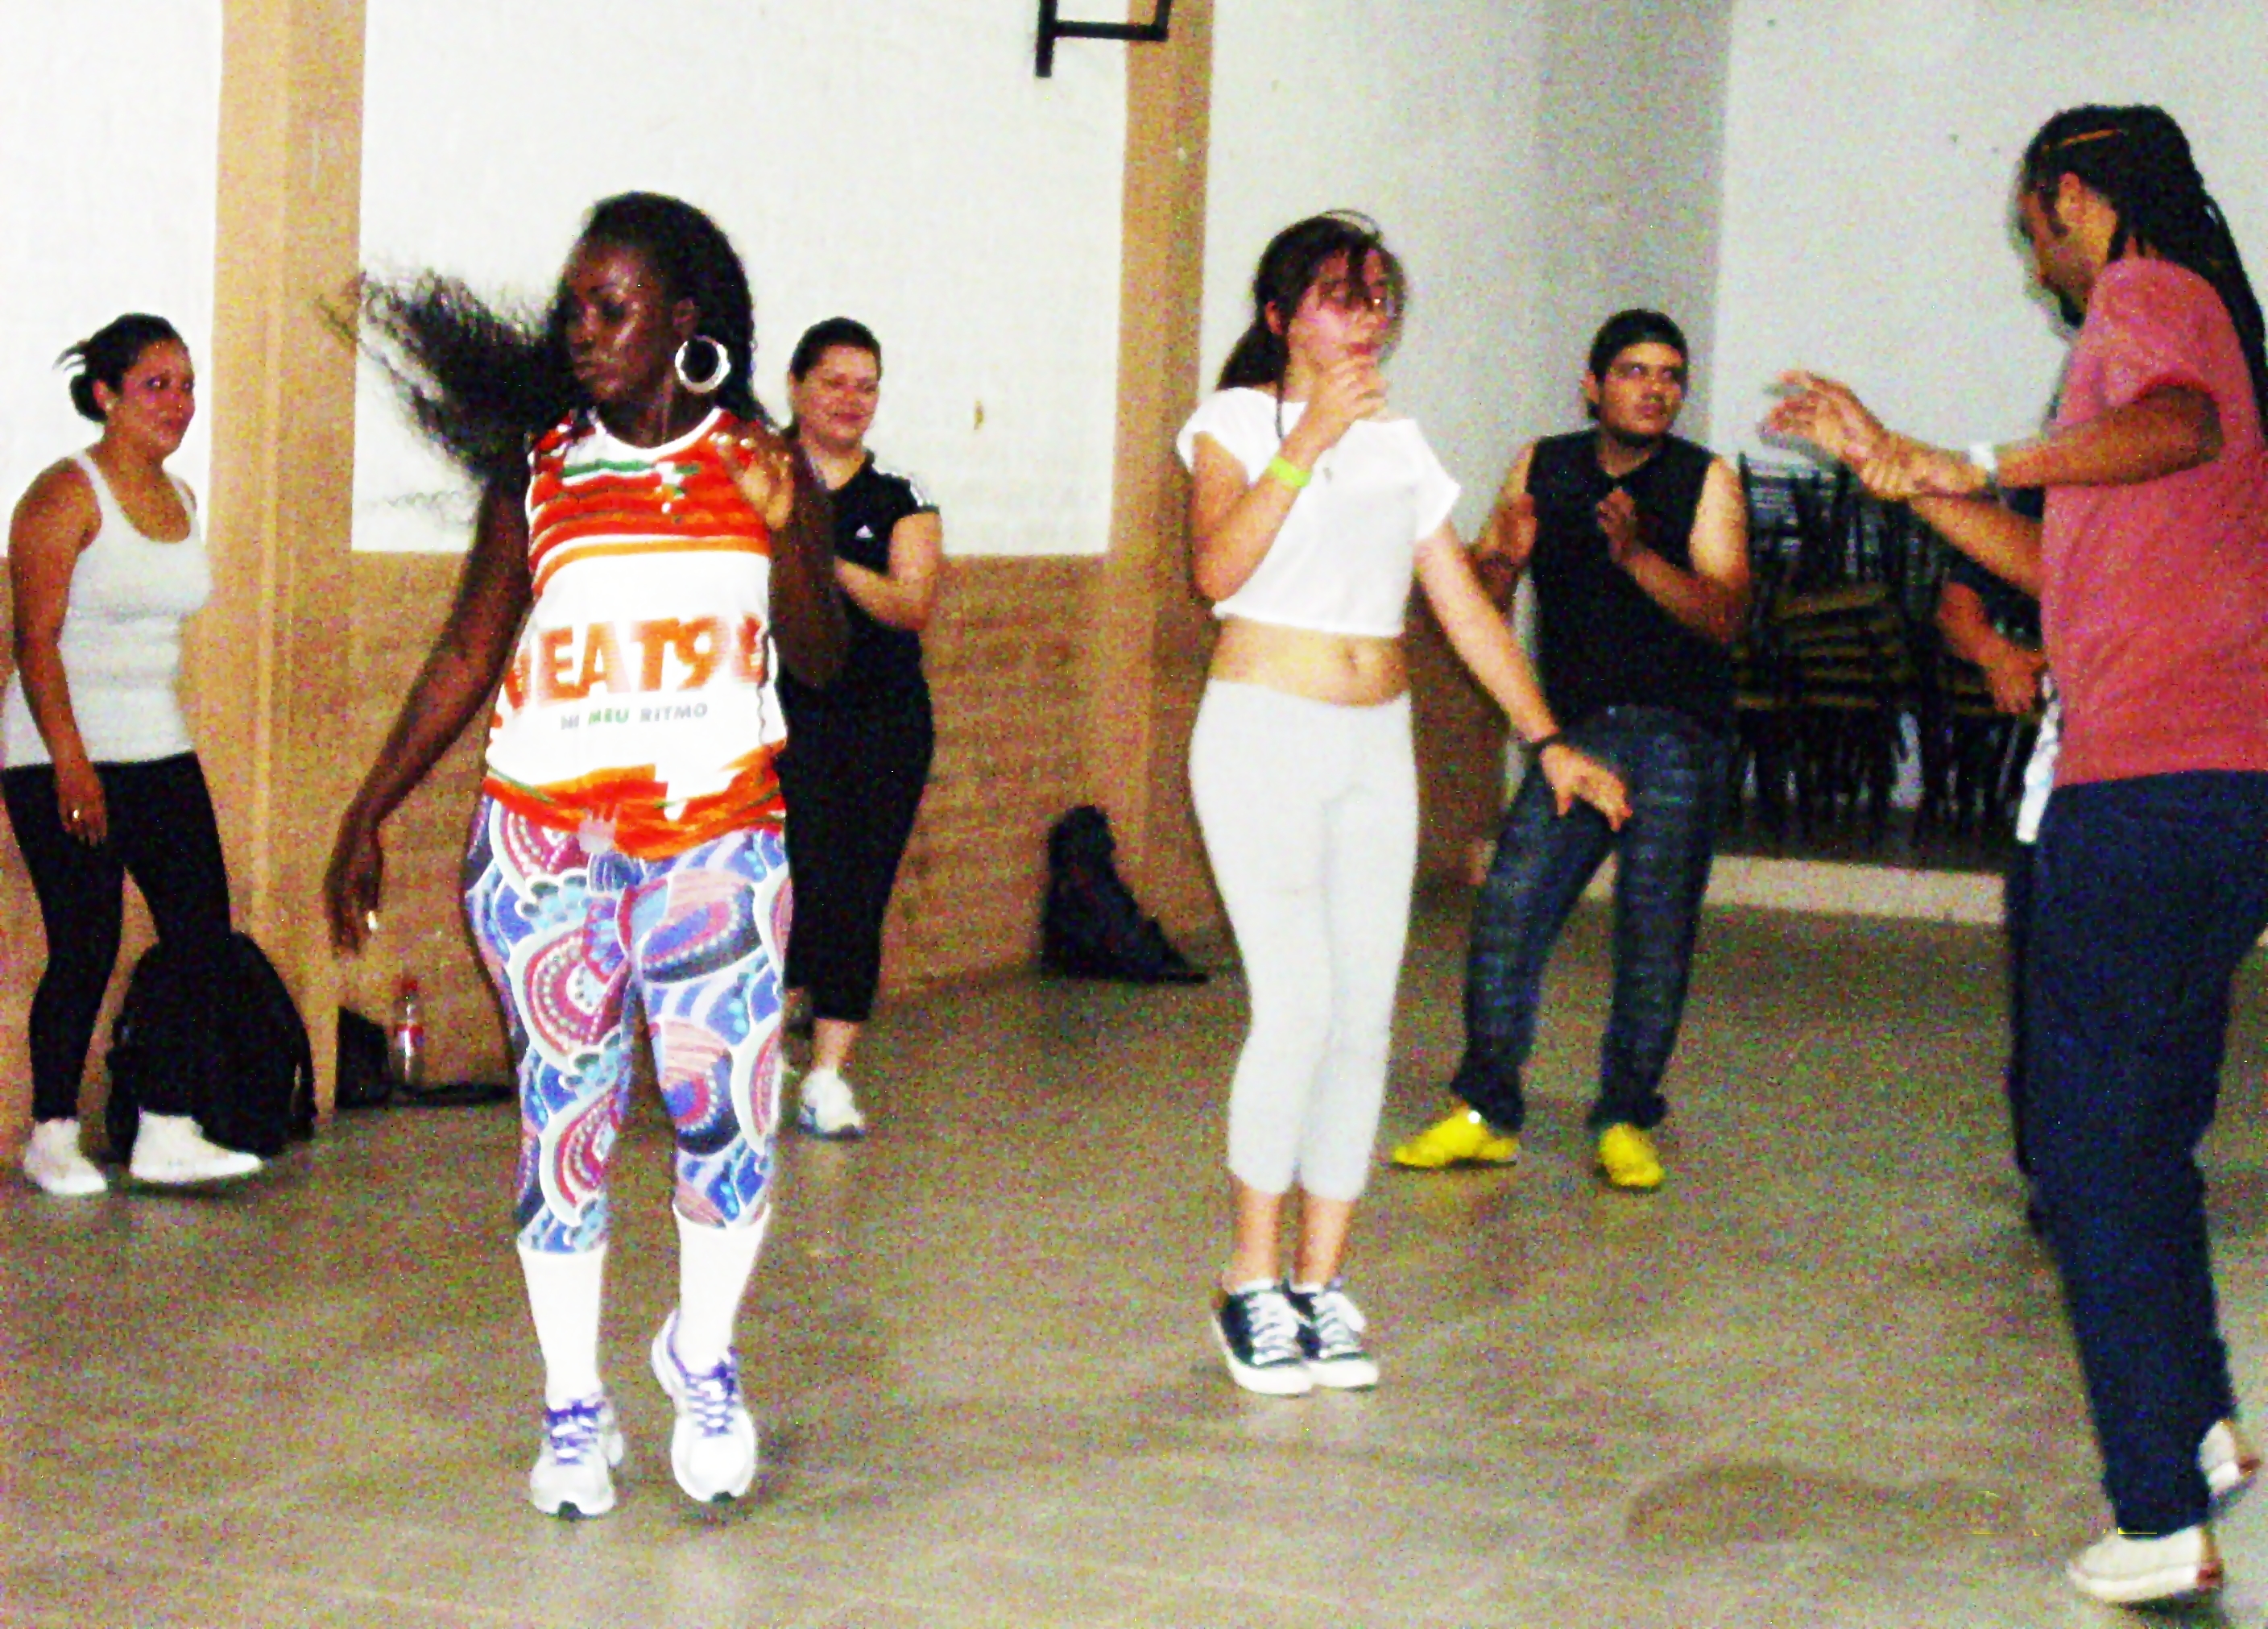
1092,928
229,1044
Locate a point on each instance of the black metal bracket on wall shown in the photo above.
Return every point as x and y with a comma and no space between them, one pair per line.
1053,28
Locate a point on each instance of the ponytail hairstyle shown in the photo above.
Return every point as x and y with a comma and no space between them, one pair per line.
106,356
481,380
2139,160
1289,267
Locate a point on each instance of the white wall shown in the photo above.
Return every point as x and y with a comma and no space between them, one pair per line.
1537,165
1424,120
1870,156
898,163
110,117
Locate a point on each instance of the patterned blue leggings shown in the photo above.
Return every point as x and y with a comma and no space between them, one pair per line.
567,932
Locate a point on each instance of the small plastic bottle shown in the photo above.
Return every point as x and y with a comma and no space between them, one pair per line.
406,1040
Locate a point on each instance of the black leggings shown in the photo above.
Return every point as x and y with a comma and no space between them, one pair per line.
853,777
162,833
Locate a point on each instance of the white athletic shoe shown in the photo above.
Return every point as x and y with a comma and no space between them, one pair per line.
170,1151
828,1109
712,1448
572,1476
2126,1571
52,1160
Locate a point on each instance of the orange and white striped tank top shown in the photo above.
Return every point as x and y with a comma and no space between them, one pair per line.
640,697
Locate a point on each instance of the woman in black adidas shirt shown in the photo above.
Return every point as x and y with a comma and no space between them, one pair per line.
859,752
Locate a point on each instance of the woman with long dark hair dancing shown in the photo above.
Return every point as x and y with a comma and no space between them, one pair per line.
1312,512
106,560
859,751
645,546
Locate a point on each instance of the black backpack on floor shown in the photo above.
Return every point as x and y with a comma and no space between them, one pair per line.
1092,927
229,1045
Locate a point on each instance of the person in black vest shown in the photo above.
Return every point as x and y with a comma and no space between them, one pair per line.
859,751
1638,544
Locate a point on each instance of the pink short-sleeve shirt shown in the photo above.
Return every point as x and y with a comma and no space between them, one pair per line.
2154,600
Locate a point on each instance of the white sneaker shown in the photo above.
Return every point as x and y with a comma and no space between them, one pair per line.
52,1160
2130,1571
581,1444
2228,1462
712,1448
170,1151
828,1109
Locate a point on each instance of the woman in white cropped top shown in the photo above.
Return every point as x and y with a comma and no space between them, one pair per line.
1313,510
105,561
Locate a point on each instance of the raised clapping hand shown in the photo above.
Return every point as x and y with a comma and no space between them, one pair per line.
1575,776
763,468
1828,413
1618,519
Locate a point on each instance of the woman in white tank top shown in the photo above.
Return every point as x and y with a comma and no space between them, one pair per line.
105,560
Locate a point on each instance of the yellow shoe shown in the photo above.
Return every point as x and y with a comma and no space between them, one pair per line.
1627,1159
1463,1138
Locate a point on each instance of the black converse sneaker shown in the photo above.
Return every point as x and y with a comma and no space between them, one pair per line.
1330,1336
1259,1335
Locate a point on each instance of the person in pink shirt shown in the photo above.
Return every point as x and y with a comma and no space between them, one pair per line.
2152,865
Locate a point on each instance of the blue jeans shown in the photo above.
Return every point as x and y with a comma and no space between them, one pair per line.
1675,768
2148,894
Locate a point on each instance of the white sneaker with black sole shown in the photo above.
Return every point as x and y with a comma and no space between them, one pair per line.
712,1449
1330,1336
573,1475
1258,1333
828,1108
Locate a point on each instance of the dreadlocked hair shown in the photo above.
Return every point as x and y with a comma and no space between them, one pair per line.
2139,160
481,379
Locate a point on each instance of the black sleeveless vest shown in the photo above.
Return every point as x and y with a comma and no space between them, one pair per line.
1604,642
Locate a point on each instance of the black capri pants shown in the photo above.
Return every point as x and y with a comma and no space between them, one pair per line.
163,835
852,774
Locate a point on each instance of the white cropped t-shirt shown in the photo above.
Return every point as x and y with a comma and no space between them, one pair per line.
1344,560
121,640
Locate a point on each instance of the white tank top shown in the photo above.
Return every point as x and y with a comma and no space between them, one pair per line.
122,640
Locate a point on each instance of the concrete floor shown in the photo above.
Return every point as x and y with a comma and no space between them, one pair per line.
1820,1379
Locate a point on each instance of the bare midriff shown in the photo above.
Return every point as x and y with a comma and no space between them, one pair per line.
1348,670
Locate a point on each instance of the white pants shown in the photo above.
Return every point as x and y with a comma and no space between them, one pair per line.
1309,812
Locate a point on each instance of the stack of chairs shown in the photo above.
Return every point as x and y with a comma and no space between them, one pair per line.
1830,668
1973,755
1763,695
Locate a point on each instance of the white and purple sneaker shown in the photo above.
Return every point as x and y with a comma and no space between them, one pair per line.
581,1446
712,1449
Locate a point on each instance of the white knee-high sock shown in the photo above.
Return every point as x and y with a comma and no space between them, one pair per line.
713,1267
564,1292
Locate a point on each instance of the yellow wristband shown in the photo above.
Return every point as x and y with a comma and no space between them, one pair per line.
1287,473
